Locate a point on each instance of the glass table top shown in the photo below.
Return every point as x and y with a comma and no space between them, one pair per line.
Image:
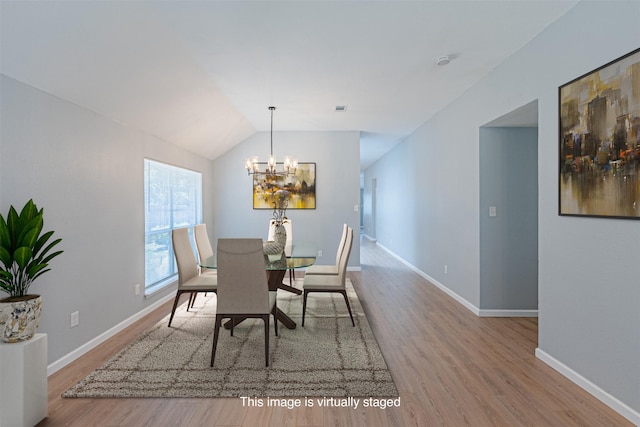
297,255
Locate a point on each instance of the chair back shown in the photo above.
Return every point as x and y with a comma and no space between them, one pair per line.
185,259
343,240
202,242
288,226
344,259
242,277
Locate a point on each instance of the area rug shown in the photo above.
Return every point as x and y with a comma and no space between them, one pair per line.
327,357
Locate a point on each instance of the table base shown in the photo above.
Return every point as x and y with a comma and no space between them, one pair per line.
275,283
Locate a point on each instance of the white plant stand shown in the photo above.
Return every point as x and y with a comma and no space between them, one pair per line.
23,382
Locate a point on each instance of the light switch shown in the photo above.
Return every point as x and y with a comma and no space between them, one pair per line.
355,208
492,211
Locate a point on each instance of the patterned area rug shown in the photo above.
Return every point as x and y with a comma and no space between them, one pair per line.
328,357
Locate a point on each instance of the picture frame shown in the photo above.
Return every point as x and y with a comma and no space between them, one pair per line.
599,141
301,187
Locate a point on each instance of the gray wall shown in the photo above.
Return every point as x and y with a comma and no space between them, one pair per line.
336,155
429,206
86,171
509,240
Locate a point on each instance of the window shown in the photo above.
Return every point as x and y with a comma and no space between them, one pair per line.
172,199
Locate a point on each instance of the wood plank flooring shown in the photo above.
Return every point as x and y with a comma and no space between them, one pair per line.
451,368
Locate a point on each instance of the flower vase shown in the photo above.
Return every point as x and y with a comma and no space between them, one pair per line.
274,249
280,235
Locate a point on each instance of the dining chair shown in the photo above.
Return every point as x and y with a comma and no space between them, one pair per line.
330,283
189,278
332,270
288,226
203,245
243,290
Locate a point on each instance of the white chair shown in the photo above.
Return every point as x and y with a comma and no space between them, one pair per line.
332,270
288,226
203,245
189,278
243,290
330,283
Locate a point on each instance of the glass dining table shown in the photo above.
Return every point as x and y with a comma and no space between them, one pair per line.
296,255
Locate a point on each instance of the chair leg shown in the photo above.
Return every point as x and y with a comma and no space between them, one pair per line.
344,294
233,324
175,305
304,306
266,339
192,299
275,318
216,331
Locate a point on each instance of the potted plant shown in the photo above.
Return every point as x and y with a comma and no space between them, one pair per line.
25,253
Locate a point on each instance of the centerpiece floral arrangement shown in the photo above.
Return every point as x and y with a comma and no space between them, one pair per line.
280,203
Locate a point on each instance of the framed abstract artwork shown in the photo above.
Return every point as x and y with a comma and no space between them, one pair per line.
300,187
599,141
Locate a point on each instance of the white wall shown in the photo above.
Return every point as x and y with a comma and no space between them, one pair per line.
336,155
86,171
428,206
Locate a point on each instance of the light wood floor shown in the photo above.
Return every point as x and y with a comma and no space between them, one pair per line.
451,368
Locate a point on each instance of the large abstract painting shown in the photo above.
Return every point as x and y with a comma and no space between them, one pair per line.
300,187
600,141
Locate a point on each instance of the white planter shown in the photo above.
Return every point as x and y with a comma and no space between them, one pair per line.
19,320
23,382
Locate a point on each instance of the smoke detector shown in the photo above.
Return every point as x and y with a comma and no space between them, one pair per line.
443,60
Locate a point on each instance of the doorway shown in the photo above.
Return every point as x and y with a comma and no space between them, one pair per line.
509,214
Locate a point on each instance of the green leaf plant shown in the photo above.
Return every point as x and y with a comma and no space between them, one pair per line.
25,253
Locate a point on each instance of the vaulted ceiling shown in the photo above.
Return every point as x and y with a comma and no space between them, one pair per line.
201,74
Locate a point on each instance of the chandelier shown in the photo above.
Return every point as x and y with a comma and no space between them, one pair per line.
289,166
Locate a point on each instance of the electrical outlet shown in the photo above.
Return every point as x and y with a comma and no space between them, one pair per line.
492,211
446,269
319,254
75,319
136,288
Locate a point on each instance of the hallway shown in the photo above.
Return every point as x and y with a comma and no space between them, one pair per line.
453,368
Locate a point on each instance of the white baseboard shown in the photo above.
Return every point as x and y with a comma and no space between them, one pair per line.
600,394
65,360
508,313
597,392
475,310
373,239
439,285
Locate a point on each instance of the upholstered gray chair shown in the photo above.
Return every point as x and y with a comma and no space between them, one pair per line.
243,290
334,269
330,283
189,278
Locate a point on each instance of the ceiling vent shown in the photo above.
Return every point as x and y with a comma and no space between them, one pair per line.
341,108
